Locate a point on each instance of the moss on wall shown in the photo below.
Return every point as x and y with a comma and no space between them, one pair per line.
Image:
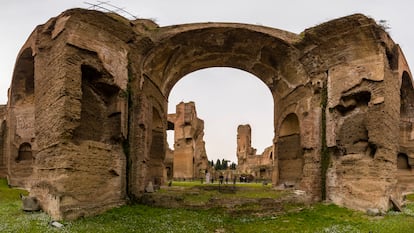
324,147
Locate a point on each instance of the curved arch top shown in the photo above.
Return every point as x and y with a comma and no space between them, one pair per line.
258,50
290,125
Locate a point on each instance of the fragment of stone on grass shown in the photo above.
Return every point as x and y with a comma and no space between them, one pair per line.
30,204
373,212
56,224
299,192
149,188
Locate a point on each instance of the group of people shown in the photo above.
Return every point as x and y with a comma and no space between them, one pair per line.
221,180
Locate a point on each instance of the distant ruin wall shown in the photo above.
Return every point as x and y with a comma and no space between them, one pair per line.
190,159
249,163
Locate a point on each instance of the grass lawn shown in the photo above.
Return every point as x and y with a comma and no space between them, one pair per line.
139,218
207,191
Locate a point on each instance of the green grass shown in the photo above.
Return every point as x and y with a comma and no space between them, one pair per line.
326,218
246,190
8,194
197,193
138,218
410,197
12,217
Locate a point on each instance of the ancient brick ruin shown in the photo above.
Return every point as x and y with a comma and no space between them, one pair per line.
249,163
188,159
85,125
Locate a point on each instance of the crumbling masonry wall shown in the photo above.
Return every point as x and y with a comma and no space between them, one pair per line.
260,166
3,168
86,120
405,157
189,156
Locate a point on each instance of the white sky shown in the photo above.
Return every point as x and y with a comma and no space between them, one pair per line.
19,18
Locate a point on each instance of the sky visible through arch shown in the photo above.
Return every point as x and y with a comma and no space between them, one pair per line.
19,18
226,98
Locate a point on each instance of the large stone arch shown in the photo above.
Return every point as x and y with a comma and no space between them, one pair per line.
266,53
343,74
246,47
21,131
157,145
289,151
405,156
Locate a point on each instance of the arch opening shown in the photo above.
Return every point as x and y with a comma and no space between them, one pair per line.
402,162
407,95
157,149
225,46
22,88
406,116
226,98
404,173
290,126
22,109
290,154
25,152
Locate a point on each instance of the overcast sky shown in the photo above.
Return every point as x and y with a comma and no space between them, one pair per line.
224,97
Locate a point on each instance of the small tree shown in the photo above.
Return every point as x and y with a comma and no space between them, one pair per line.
218,165
233,166
224,164
384,25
